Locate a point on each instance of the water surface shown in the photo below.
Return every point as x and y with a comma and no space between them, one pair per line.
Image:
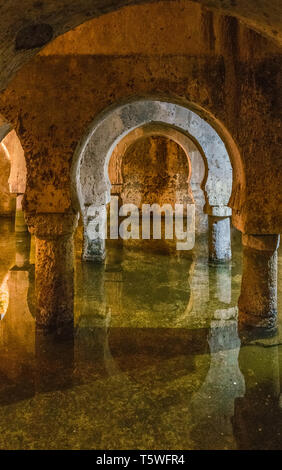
154,360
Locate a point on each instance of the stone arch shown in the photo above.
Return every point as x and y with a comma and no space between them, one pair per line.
15,176
156,129
89,177
11,146
197,163
140,134
26,37
5,128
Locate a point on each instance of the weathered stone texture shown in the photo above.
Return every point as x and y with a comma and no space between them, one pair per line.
231,72
59,16
258,299
54,272
219,238
155,170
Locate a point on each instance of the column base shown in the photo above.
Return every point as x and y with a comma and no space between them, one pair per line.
95,258
94,236
254,327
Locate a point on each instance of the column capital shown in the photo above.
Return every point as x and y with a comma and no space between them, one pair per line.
51,225
261,242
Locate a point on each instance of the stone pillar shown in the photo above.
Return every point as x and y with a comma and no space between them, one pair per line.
94,235
54,269
258,300
20,223
219,234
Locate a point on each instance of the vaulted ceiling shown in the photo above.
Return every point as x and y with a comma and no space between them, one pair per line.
27,25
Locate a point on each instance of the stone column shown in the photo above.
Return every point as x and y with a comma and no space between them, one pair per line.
94,236
20,223
258,300
219,234
54,268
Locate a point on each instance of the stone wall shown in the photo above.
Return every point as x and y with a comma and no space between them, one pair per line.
155,170
28,25
186,53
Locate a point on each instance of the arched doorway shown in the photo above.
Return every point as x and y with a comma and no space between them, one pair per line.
90,181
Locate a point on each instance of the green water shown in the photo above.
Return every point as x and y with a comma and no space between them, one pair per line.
154,361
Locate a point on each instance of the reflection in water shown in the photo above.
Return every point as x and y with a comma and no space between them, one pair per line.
258,416
153,360
213,403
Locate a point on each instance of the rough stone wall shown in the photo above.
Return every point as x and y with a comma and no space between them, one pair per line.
28,25
197,168
187,53
6,202
155,170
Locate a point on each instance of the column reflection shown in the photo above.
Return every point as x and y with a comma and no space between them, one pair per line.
258,415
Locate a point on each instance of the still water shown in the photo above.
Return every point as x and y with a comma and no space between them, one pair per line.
154,361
